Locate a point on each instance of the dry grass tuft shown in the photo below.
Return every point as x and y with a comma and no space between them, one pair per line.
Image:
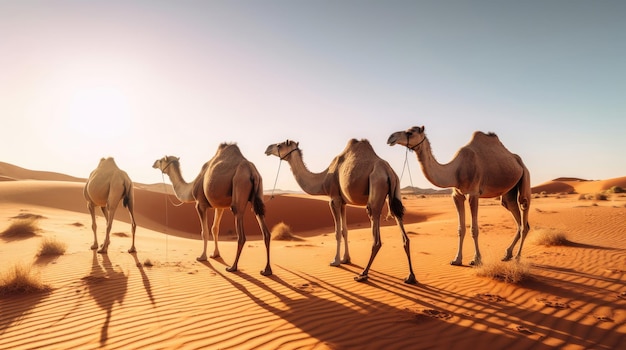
513,272
282,232
28,216
593,196
21,279
550,237
51,247
21,228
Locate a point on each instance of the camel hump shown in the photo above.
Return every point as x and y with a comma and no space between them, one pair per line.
488,135
107,162
228,150
358,146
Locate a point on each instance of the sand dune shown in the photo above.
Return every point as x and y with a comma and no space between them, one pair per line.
161,298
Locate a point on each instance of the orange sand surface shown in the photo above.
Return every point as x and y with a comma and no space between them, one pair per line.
162,298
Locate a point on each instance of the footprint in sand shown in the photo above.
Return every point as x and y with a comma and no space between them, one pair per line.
524,330
436,314
603,318
309,287
622,295
554,304
494,298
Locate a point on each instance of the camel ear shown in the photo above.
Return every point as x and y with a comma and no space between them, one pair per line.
297,144
422,129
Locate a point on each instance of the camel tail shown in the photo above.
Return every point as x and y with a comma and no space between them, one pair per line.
257,196
395,204
127,196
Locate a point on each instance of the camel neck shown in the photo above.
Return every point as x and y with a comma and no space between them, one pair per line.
440,175
311,183
183,189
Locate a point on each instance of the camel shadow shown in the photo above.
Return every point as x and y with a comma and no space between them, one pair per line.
144,278
588,246
106,286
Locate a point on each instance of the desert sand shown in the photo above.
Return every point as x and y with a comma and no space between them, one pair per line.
162,298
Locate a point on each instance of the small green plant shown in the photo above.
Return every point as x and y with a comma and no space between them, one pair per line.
21,279
513,272
51,247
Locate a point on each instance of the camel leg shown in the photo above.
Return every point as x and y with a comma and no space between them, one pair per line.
109,213
406,243
519,210
375,220
344,235
473,203
215,231
133,225
337,208
241,237
201,208
94,226
267,271
523,201
459,203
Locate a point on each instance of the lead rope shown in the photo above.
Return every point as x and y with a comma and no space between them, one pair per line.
408,168
276,180
166,217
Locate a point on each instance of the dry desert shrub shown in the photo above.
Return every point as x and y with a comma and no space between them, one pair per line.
513,272
593,196
550,237
600,197
21,279
282,232
21,228
51,247
616,189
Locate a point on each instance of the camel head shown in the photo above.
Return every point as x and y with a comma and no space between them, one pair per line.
283,149
164,163
410,138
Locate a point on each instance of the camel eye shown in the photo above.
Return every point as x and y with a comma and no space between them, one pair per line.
409,133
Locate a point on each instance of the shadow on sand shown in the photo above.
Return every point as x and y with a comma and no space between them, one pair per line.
106,285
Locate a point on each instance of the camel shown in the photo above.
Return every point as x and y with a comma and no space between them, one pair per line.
228,180
483,168
106,186
359,177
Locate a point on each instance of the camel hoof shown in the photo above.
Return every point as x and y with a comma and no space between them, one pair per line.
346,261
507,258
335,263
215,256
361,278
266,272
456,263
410,280
201,258
102,251
475,263
231,269
132,250
94,247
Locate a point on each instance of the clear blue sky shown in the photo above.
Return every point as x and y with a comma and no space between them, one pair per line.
136,80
